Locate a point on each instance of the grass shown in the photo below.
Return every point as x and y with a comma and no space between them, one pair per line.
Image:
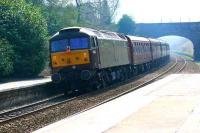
186,55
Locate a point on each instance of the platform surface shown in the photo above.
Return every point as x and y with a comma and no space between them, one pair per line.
170,105
22,84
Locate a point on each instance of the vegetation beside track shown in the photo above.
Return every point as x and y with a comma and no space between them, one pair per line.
186,55
25,26
23,38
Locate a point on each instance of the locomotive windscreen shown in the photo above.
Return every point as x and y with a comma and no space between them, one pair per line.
73,43
59,45
79,43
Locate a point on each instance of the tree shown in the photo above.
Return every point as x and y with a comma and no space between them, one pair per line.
105,16
6,58
101,11
36,2
59,17
126,25
25,29
58,13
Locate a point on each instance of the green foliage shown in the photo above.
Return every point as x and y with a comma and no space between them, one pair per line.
58,13
126,25
59,17
25,28
36,2
26,24
105,13
6,58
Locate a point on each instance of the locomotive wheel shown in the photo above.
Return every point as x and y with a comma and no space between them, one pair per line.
94,85
129,73
108,78
66,88
136,71
123,74
100,81
71,88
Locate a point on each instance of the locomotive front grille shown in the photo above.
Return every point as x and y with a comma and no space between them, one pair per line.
63,59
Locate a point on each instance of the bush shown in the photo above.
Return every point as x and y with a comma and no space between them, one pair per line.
25,28
6,58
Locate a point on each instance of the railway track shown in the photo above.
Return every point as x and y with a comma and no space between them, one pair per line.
34,107
60,99
174,68
181,65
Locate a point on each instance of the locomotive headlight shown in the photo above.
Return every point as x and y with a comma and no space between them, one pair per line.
54,57
73,67
84,54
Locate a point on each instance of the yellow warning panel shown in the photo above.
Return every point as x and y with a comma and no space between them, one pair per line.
63,59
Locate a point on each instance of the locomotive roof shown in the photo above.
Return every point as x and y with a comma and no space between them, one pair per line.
163,42
101,34
136,38
155,40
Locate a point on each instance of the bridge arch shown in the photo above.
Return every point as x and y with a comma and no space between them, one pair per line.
190,30
179,44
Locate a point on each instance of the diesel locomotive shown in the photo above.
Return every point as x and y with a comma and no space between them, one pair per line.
84,56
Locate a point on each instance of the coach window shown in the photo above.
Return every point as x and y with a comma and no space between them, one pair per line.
137,48
145,47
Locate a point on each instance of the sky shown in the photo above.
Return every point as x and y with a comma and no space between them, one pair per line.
145,11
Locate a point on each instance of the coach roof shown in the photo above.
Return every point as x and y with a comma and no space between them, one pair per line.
136,38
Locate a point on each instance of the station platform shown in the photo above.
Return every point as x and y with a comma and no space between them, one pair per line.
170,105
23,84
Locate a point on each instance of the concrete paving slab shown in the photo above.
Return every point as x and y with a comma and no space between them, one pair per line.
170,105
164,115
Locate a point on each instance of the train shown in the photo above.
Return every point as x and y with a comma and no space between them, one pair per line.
98,58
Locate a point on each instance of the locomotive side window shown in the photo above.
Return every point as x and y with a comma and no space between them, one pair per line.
96,41
93,42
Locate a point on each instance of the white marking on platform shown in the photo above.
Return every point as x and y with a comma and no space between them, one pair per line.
177,110
23,84
106,116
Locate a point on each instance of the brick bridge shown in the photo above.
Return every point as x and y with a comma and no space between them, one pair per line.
190,30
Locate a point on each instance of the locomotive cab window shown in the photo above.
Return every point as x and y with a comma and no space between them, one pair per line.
59,45
79,43
73,44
